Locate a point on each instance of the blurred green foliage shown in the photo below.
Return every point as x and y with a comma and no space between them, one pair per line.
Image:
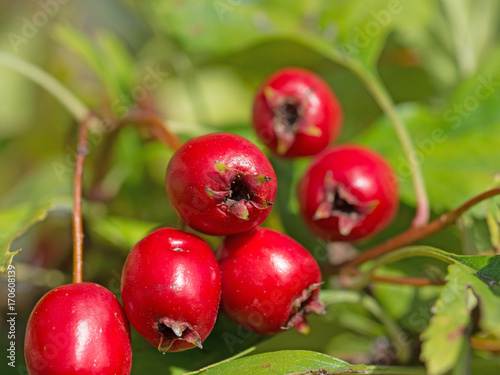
198,64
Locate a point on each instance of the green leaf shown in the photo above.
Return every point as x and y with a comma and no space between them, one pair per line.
446,141
226,339
456,37
86,50
483,266
362,28
299,362
370,304
118,59
486,266
356,29
444,338
108,59
280,362
120,231
449,157
16,220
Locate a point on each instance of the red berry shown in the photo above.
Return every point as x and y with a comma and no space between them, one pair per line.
221,184
171,289
348,193
296,113
269,281
78,329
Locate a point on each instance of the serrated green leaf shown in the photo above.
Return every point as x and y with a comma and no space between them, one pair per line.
486,266
444,338
280,362
16,220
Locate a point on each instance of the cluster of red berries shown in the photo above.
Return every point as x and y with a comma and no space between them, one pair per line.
222,184
349,192
173,284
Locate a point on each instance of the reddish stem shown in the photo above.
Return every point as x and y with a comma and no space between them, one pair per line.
417,233
157,126
490,345
82,152
414,281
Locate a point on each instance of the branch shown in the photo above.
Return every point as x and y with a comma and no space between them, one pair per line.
82,152
157,126
417,233
413,281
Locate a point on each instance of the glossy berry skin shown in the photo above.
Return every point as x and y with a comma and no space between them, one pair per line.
269,281
171,289
295,113
221,184
348,193
78,329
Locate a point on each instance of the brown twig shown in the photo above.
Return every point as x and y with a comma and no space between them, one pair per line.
414,281
490,345
417,233
157,126
82,152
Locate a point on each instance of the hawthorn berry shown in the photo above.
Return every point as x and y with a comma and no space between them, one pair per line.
269,281
78,329
221,184
348,193
171,289
295,113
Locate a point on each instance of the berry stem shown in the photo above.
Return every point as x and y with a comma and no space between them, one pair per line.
384,100
157,126
345,279
417,233
403,253
413,281
82,152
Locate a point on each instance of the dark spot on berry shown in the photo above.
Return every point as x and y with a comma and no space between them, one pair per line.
239,190
166,332
341,205
290,113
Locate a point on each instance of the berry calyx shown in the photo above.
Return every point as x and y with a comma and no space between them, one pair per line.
348,193
221,184
296,113
240,190
270,283
171,289
78,329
